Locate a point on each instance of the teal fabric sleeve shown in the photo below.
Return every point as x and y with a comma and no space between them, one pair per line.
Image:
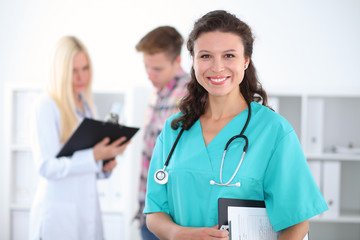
291,194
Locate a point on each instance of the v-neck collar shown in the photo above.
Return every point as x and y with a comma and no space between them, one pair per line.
229,129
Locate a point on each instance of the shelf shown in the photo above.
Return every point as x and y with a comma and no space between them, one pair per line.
26,207
20,207
340,219
20,148
333,157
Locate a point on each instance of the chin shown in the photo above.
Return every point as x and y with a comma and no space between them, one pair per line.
78,92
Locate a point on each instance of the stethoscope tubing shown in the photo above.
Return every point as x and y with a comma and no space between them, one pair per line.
241,135
173,147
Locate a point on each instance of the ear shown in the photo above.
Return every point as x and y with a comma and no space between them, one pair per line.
247,61
178,59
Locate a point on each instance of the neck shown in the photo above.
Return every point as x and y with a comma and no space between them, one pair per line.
176,71
225,107
78,103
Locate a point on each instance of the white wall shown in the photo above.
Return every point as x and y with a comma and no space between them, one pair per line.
301,45
298,43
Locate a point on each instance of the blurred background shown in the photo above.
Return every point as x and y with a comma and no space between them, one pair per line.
304,50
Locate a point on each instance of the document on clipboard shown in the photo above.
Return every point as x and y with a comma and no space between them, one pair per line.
91,131
246,220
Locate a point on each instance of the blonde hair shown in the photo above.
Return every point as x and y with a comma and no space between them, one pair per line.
60,85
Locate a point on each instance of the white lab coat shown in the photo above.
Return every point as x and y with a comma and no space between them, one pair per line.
66,204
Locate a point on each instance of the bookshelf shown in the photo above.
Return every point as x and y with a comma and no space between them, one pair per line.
329,131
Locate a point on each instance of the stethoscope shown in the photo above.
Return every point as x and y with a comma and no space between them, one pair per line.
161,175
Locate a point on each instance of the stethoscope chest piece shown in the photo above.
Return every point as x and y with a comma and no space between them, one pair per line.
161,176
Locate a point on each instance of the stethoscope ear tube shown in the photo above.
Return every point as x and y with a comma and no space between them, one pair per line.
161,175
235,137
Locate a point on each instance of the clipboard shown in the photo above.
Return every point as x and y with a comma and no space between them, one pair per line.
91,131
224,203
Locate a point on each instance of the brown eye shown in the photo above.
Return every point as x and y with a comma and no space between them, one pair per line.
205,56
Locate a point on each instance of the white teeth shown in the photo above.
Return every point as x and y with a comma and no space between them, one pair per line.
217,79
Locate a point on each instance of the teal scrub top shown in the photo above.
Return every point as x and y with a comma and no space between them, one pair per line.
274,170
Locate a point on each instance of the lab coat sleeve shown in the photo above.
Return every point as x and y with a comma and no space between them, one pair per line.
291,194
45,140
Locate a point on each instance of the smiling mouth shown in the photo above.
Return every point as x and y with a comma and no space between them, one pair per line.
218,79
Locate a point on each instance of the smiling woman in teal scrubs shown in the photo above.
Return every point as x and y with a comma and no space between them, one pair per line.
223,90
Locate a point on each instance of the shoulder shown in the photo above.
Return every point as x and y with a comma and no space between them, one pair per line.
172,118
44,101
184,79
265,117
44,104
167,129
168,134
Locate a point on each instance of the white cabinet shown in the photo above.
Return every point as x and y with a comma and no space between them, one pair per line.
328,127
116,194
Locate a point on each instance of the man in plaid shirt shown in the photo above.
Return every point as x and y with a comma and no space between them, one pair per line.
161,50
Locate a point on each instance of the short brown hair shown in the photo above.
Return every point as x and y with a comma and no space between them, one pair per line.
162,39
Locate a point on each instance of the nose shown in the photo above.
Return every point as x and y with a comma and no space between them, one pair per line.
82,75
76,75
79,76
150,73
217,65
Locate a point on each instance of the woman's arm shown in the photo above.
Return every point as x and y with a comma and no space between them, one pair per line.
164,228
295,232
45,140
45,143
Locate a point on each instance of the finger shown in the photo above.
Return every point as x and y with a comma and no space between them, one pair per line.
109,166
123,147
119,141
105,141
218,238
216,226
125,144
112,165
106,168
218,233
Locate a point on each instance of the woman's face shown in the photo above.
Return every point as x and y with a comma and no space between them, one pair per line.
81,73
219,62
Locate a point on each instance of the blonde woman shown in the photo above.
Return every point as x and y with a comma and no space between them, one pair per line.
66,204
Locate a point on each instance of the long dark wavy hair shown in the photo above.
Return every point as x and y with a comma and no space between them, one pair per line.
193,104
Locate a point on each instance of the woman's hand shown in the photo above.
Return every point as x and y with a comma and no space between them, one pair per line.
103,150
162,225
109,166
201,233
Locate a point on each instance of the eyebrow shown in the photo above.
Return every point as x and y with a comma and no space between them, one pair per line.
206,51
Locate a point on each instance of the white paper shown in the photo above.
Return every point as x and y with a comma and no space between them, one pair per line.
250,223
